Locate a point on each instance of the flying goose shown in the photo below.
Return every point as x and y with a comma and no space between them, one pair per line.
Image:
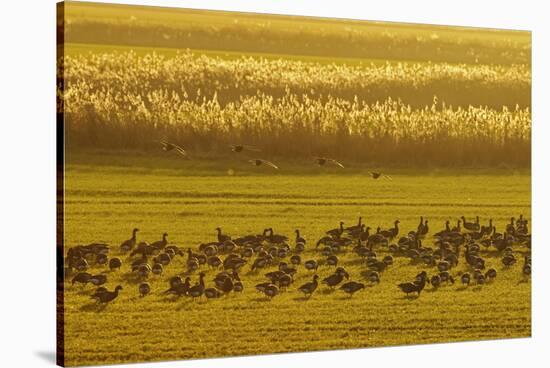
376,175
322,161
238,148
167,147
259,162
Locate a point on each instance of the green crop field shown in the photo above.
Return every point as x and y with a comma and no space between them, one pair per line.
108,195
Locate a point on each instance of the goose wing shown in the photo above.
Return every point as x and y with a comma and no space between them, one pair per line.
336,162
270,164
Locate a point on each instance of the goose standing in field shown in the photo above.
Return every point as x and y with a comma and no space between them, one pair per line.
222,237
238,148
144,289
416,286
354,228
97,280
299,239
129,244
115,264
107,296
352,287
167,147
471,226
336,278
376,175
336,232
393,232
82,278
259,162
322,161
160,244
197,290
311,265
309,287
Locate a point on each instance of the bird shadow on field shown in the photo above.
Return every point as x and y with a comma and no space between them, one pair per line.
260,299
411,297
132,278
462,288
327,291
93,307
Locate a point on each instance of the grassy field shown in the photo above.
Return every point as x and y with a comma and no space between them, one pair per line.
107,195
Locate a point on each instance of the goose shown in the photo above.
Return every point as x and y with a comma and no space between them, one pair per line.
197,290
309,287
276,238
82,278
285,280
422,228
107,296
160,244
127,245
157,269
97,280
457,228
144,288
259,162
435,281
164,259
480,279
238,286
144,270
388,260
115,264
81,265
214,261
487,230
271,291
414,287
311,265
376,239
472,226
178,287
373,277
212,293
508,260
336,232
222,237
465,278
359,225
322,161
138,262
336,278
260,262
262,286
167,147
376,175
101,259
296,260
526,269
491,274
299,239
98,291
391,233
238,148
332,260
352,287
511,227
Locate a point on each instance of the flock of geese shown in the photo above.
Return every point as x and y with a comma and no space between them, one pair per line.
468,242
240,148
